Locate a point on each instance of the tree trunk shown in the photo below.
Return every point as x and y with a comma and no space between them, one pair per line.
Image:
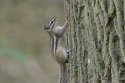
96,38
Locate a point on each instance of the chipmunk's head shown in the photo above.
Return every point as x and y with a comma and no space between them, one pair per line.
53,29
49,26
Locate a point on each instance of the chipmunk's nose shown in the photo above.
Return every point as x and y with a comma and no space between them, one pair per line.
46,27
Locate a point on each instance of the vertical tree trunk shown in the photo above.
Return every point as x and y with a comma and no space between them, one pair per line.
96,38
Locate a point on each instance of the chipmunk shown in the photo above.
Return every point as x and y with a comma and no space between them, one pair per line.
58,45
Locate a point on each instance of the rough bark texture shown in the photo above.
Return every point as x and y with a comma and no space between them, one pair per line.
96,38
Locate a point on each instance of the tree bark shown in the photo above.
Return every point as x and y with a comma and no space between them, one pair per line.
96,38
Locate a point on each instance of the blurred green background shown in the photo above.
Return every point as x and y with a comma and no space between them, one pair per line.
24,45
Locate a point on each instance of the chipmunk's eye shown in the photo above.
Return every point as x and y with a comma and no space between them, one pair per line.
51,22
